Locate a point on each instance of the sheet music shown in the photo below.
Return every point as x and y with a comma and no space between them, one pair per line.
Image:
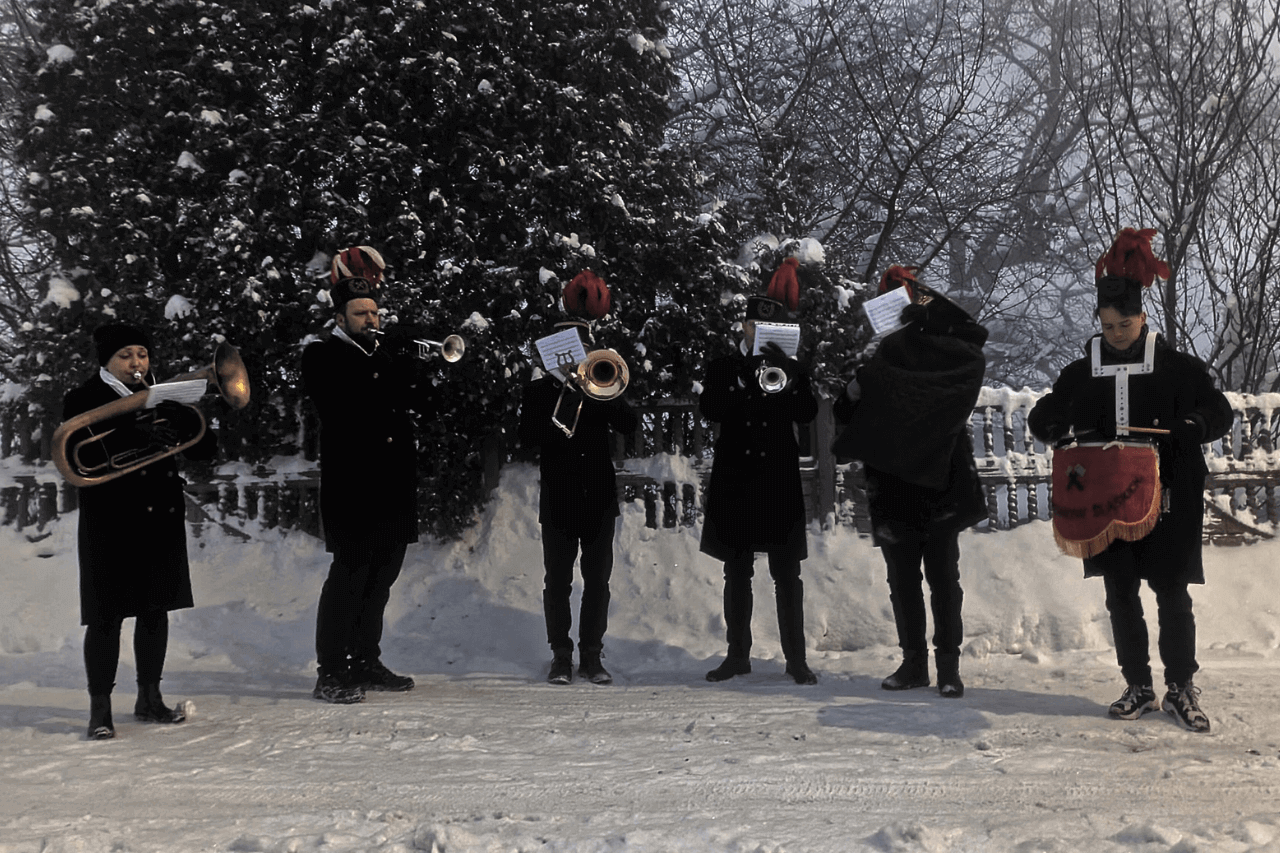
188,391
885,312
785,335
560,352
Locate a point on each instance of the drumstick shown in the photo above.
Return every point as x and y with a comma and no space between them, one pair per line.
1148,430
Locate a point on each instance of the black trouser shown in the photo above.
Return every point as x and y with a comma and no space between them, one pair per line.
1129,628
355,594
940,554
788,591
559,551
102,650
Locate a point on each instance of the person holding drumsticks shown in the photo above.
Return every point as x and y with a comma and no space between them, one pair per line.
1132,384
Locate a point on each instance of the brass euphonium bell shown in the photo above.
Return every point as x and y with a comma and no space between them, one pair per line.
226,374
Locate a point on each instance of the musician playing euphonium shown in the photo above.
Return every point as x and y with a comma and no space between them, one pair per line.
578,500
132,530
755,501
1160,388
366,396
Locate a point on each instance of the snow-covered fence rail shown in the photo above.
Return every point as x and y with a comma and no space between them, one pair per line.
665,463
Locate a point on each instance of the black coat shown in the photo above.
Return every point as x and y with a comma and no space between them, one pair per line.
368,450
755,500
132,533
578,483
1178,388
910,425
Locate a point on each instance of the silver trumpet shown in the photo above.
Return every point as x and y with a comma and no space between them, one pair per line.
772,378
451,348
602,375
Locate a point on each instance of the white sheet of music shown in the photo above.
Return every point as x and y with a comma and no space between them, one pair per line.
561,351
785,335
885,312
187,391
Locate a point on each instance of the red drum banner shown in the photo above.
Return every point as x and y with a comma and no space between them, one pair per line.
1104,492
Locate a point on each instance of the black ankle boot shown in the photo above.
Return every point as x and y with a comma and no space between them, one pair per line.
914,672
100,725
150,707
949,683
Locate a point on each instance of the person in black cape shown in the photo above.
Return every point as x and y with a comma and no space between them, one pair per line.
754,499
1168,390
132,531
908,410
577,497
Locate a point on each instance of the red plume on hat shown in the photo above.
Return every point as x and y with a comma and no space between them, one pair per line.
784,287
899,276
357,262
586,296
1130,257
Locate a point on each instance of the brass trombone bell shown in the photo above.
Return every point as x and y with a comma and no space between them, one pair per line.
226,374
602,375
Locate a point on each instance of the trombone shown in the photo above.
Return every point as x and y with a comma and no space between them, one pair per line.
451,348
602,375
229,379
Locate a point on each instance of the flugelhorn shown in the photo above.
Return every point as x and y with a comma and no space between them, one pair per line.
451,348
226,374
602,375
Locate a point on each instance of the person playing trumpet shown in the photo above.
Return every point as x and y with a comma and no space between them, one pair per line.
132,536
365,395
578,498
755,501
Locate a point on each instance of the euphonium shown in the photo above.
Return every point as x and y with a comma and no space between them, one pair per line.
602,375
226,373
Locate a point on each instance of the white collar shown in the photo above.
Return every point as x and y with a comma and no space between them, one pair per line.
113,383
1147,365
341,334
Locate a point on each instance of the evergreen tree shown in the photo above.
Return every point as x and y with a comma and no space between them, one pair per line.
197,164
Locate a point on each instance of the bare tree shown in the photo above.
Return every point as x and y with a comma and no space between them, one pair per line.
1182,103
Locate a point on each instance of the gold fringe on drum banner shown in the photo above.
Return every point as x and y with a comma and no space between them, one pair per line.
1104,492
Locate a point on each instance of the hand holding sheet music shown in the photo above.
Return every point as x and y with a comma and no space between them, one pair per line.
785,335
885,312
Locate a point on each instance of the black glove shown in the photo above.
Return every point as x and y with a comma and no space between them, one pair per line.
1186,435
776,355
159,426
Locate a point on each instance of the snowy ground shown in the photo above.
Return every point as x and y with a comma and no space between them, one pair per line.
485,756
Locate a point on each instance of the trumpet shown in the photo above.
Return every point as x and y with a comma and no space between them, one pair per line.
772,378
226,373
602,375
451,348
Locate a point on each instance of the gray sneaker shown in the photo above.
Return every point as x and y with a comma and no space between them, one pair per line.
1182,703
1136,700
336,690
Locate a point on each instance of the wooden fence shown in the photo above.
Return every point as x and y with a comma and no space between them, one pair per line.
664,465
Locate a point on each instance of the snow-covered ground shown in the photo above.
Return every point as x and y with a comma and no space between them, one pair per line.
485,756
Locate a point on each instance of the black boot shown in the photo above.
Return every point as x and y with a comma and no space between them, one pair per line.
150,707
100,725
949,683
914,672
561,667
590,667
732,666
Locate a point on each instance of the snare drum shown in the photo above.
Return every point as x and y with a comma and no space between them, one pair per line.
1104,491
